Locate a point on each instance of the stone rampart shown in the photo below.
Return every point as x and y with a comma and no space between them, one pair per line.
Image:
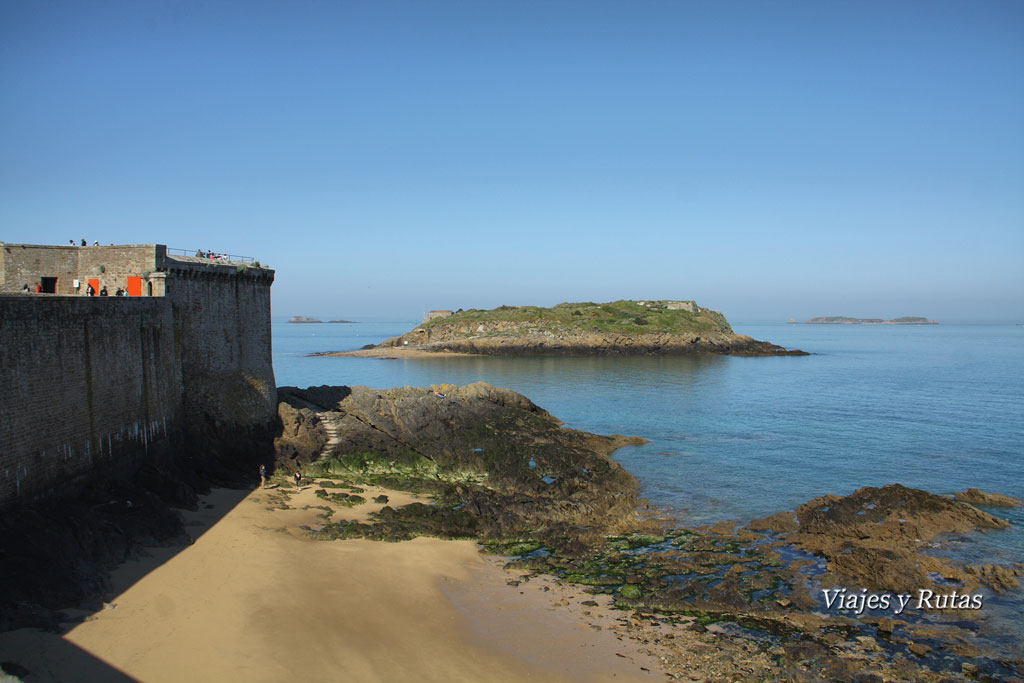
90,385
223,318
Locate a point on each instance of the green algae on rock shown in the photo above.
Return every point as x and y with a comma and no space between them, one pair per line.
495,463
346,499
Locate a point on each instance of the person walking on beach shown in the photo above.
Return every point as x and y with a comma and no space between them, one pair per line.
298,477
263,476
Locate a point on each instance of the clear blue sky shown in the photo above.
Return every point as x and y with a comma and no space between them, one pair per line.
769,159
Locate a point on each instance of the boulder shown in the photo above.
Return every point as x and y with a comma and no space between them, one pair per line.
997,577
871,538
979,497
302,437
778,523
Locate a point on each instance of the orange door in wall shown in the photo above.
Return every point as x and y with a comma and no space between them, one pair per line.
95,287
134,285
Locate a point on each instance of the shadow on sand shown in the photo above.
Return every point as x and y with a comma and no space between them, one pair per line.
36,655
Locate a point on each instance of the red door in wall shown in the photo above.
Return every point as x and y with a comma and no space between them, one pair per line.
134,285
95,286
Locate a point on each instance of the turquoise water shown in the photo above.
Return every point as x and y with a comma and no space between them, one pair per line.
934,407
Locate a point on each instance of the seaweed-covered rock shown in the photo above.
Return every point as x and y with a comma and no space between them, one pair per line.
503,462
890,514
872,537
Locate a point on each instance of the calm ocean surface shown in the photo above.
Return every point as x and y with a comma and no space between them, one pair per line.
938,407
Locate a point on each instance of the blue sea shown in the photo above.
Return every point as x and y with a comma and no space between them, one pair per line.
937,407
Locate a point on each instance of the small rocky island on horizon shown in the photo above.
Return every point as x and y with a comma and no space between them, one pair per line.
303,319
660,327
843,320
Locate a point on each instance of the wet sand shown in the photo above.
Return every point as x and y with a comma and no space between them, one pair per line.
254,600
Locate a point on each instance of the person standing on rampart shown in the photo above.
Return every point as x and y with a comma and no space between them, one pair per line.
103,292
89,291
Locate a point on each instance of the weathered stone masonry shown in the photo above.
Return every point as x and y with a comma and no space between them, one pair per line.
98,384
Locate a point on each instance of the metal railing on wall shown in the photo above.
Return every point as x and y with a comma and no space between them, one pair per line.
210,256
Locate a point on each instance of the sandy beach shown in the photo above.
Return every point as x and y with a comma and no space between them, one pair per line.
252,599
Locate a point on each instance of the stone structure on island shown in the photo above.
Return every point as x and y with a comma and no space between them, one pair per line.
690,306
434,315
98,386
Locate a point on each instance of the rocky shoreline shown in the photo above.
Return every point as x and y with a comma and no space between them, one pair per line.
593,344
720,602
503,472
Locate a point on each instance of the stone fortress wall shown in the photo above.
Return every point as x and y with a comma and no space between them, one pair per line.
85,384
100,384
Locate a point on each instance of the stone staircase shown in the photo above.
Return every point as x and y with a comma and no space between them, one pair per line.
331,426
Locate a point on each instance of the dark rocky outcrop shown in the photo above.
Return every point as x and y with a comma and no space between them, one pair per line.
890,514
497,462
302,436
516,343
874,537
979,497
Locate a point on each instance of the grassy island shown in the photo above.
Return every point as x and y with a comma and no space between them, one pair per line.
621,317
623,327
